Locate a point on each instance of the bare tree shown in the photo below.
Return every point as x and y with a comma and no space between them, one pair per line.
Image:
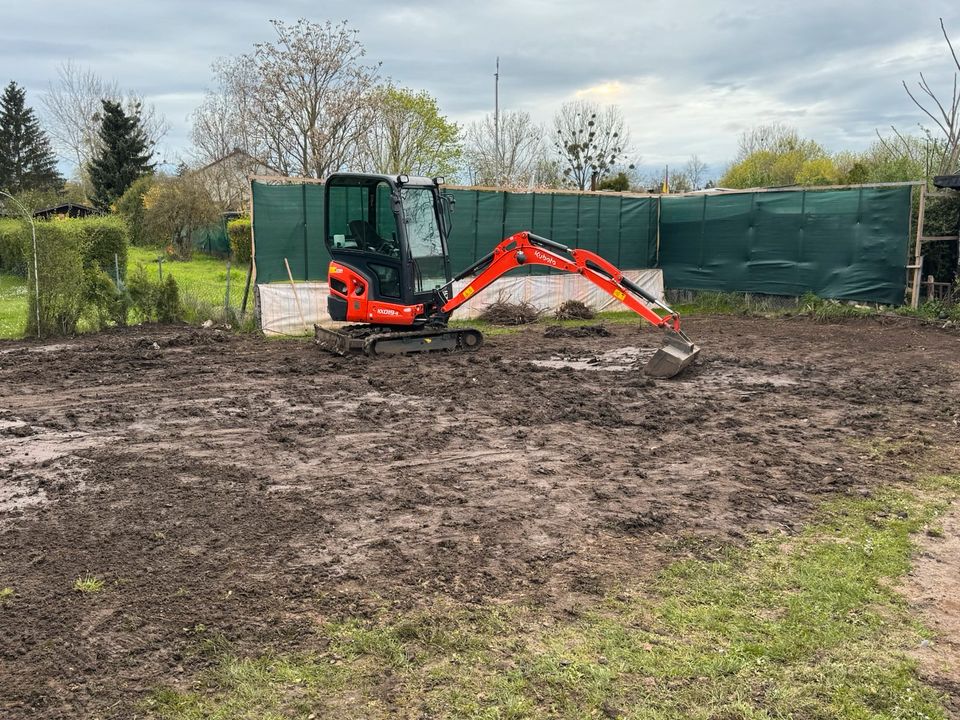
775,137
72,107
589,141
301,103
944,113
696,172
518,159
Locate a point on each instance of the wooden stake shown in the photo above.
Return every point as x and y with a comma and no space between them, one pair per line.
296,296
915,290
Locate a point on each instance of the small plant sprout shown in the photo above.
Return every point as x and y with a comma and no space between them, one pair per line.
89,584
5,594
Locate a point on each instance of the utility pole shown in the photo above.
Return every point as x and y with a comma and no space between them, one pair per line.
496,123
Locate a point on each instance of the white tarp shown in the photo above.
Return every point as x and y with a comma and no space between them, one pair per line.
279,314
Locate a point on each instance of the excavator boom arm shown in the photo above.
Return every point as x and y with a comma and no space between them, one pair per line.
525,248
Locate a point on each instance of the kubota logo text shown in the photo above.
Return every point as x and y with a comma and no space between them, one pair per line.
543,257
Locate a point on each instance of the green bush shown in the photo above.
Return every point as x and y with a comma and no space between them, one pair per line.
103,241
240,239
131,209
14,236
104,303
154,301
61,276
98,239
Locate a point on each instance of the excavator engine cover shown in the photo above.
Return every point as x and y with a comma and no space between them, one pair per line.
675,355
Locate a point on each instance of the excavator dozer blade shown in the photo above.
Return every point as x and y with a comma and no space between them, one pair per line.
336,342
675,356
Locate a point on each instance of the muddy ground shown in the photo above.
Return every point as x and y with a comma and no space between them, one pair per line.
247,487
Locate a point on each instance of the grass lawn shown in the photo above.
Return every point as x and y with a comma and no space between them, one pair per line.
13,306
201,280
806,627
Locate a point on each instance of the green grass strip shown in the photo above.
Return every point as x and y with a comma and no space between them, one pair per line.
804,627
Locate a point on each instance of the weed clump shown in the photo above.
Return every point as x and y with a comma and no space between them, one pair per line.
88,584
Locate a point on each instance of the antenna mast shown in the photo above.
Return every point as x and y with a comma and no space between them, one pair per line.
496,122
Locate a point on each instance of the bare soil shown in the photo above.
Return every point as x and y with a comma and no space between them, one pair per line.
230,486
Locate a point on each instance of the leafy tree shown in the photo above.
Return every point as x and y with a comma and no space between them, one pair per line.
772,156
123,156
589,141
409,135
26,160
131,208
618,183
175,208
818,171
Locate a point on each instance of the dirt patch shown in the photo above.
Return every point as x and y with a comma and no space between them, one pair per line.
933,587
234,489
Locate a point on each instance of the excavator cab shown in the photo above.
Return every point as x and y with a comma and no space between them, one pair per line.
391,230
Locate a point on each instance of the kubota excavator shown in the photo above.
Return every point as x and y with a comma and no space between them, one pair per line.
390,272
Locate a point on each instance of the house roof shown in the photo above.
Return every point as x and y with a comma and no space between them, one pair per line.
951,182
237,152
67,208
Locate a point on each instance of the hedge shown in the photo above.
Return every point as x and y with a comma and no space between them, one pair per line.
14,234
60,266
97,239
240,239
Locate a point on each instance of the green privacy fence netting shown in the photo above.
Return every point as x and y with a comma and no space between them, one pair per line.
849,243
288,223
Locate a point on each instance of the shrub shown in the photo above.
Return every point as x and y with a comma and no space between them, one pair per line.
131,209
175,208
154,301
168,301
104,303
14,236
241,243
61,276
98,239
103,242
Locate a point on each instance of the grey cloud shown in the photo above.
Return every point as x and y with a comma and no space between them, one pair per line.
792,54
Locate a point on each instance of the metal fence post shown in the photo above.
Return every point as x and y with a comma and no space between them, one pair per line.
226,296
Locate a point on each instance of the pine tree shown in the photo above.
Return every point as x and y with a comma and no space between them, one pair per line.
26,160
122,157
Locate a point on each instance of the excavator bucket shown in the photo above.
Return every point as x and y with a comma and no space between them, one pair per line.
676,354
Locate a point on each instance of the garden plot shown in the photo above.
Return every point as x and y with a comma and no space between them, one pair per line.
229,489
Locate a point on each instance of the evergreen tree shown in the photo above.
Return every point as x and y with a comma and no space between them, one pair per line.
26,160
122,157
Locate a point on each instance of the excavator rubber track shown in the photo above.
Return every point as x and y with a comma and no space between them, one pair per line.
375,340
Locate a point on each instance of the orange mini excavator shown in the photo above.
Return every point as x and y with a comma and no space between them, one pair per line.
390,272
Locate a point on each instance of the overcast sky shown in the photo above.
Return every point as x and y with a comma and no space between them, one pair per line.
689,75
